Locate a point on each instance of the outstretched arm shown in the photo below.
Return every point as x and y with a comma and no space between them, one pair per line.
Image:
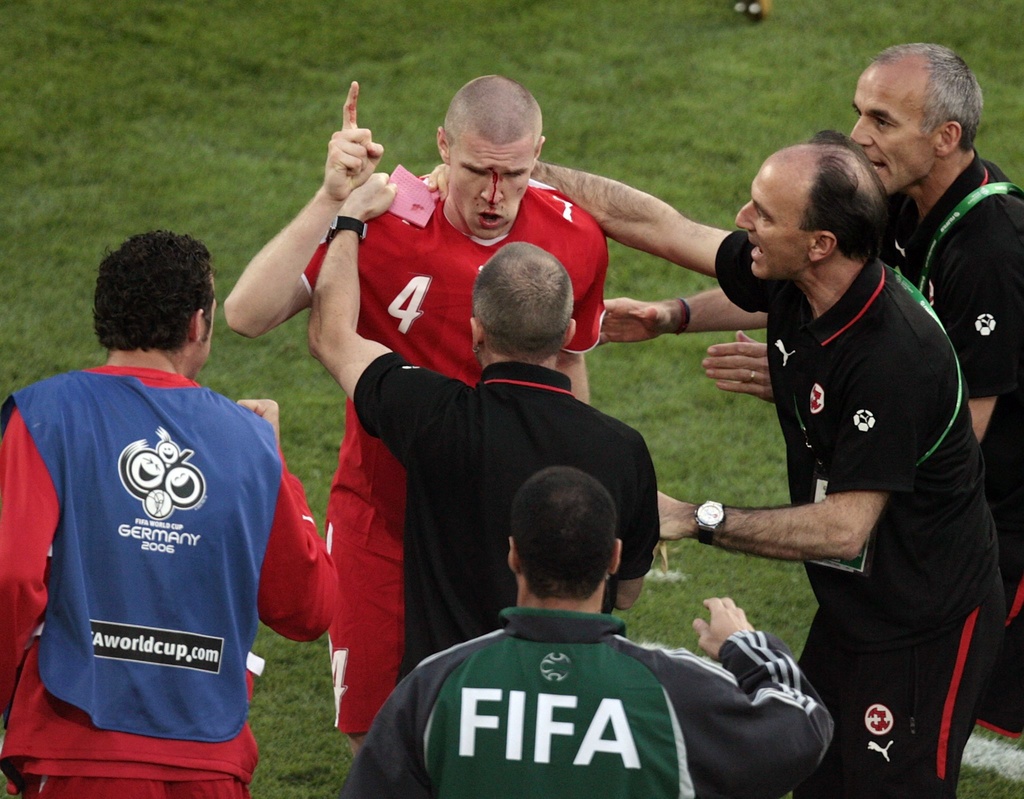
271,290
837,527
333,339
637,219
627,319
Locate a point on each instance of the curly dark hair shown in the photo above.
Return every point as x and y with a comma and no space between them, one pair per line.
149,288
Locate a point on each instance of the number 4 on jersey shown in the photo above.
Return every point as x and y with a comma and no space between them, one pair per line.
406,306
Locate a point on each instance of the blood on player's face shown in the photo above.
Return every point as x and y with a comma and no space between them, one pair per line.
486,181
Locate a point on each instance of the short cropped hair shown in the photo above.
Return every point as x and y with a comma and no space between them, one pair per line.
523,299
953,91
149,288
497,108
846,197
563,524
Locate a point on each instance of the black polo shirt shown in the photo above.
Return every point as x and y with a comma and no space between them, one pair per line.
864,393
976,285
466,451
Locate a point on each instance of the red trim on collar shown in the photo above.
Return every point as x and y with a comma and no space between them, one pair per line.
528,384
983,182
852,322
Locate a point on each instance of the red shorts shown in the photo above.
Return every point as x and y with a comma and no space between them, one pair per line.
367,634
122,788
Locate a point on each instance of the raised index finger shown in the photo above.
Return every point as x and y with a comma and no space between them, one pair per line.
350,107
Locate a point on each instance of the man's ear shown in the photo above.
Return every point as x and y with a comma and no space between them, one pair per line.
442,145
476,333
947,138
822,246
613,565
513,557
198,326
570,331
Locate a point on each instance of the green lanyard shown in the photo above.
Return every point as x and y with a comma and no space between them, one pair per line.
965,205
920,299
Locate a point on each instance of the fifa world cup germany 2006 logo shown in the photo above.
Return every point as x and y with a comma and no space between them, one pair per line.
161,477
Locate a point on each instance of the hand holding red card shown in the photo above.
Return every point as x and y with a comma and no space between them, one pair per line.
414,202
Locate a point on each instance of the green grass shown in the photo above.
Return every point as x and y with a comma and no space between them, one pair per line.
212,118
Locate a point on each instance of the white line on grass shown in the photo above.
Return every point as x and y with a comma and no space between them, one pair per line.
1007,760
656,575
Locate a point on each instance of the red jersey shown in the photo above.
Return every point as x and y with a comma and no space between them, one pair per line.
416,289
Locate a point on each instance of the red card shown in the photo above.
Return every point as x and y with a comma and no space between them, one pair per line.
414,202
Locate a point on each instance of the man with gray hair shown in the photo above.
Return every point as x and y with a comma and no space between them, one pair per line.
887,486
466,450
416,285
956,231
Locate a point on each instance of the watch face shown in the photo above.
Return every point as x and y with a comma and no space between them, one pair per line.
710,514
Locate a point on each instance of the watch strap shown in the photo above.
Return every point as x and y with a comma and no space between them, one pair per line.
351,223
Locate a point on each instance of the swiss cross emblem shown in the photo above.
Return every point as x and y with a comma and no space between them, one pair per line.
817,398
878,719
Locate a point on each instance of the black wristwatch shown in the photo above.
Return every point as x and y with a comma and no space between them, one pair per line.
710,516
351,223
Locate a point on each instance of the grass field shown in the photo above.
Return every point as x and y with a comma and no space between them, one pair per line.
212,118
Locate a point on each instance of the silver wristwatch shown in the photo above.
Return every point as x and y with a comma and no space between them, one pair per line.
710,516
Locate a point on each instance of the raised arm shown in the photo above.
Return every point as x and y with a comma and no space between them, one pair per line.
270,290
333,339
637,219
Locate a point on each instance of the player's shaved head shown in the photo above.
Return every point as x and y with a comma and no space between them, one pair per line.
523,299
496,108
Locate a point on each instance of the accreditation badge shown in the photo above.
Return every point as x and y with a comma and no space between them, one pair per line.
861,564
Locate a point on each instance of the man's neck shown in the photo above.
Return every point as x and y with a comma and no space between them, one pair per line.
592,604
161,360
824,287
487,357
937,183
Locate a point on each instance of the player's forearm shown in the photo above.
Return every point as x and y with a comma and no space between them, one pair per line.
627,592
28,519
637,219
981,414
333,338
783,708
837,527
270,290
296,556
712,311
